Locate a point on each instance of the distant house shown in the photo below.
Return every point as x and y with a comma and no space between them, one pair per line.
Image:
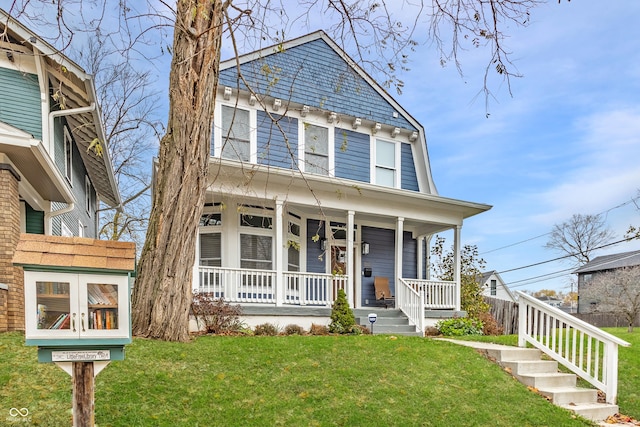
598,266
51,183
552,301
320,181
493,286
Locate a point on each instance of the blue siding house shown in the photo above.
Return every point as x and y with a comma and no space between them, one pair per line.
320,181
51,183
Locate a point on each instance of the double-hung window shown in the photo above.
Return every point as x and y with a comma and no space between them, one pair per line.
316,149
293,244
256,242
494,288
236,133
211,239
387,159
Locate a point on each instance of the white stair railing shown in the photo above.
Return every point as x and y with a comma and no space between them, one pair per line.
589,352
410,300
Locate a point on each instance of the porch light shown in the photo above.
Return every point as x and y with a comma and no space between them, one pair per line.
323,244
227,93
277,103
395,132
304,111
365,248
357,122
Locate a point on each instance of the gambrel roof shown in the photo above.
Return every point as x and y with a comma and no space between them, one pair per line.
313,71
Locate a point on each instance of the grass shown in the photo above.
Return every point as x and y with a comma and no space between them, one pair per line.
290,381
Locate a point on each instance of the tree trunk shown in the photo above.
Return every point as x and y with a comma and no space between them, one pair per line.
162,293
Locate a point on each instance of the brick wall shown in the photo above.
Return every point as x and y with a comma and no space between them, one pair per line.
13,316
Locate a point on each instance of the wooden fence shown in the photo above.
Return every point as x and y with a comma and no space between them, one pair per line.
505,313
605,320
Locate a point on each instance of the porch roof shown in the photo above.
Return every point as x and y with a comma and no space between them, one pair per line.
311,194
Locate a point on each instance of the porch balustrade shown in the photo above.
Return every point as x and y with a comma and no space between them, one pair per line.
589,352
238,285
415,295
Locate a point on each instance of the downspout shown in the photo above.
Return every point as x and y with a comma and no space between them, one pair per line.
52,115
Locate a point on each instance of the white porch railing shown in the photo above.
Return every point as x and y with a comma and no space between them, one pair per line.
410,299
238,285
313,288
589,352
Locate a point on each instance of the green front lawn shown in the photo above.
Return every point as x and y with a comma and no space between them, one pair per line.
291,381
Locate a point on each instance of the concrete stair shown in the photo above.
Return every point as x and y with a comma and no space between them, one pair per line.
389,322
525,364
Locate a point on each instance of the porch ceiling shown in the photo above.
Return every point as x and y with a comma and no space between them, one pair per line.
333,197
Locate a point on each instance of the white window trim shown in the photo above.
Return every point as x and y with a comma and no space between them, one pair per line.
397,166
65,230
68,146
80,229
87,195
253,132
244,229
331,131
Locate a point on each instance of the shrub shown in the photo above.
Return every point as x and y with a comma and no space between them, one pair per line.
215,315
459,326
490,325
360,330
294,330
431,331
342,319
318,329
268,329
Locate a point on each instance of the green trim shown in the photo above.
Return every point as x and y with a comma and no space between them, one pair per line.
67,343
117,352
84,270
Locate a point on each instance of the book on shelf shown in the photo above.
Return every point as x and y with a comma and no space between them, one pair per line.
59,322
106,318
99,295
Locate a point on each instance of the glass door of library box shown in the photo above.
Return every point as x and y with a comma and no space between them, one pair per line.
68,305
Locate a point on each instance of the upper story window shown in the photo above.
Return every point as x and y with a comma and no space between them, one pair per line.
68,155
87,195
387,159
494,287
236,133
317,149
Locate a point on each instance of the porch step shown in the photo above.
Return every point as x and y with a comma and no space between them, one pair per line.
389,322
560,388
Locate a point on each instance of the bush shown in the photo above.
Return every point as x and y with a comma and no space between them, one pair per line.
216,315
294,330
459,326
431,331
342,319
490,325
360,330
318,329
267,329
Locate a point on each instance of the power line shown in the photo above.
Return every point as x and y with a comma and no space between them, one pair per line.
632,200
559,258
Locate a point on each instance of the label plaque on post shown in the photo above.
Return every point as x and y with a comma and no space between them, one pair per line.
80,355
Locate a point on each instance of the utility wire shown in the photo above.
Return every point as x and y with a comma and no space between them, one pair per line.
632,200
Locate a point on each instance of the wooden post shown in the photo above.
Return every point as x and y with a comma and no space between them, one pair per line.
83,394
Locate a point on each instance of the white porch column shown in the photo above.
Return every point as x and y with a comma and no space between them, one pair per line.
456,251
399,248
420,255
350,260
279,286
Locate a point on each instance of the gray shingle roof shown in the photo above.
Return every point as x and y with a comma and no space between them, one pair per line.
609,262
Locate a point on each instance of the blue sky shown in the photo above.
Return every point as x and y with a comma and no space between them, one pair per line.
567,142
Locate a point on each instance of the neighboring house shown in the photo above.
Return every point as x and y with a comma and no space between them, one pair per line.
552,301
598,266
320,181
51,183
493,286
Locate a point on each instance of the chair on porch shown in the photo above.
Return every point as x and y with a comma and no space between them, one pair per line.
383,293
